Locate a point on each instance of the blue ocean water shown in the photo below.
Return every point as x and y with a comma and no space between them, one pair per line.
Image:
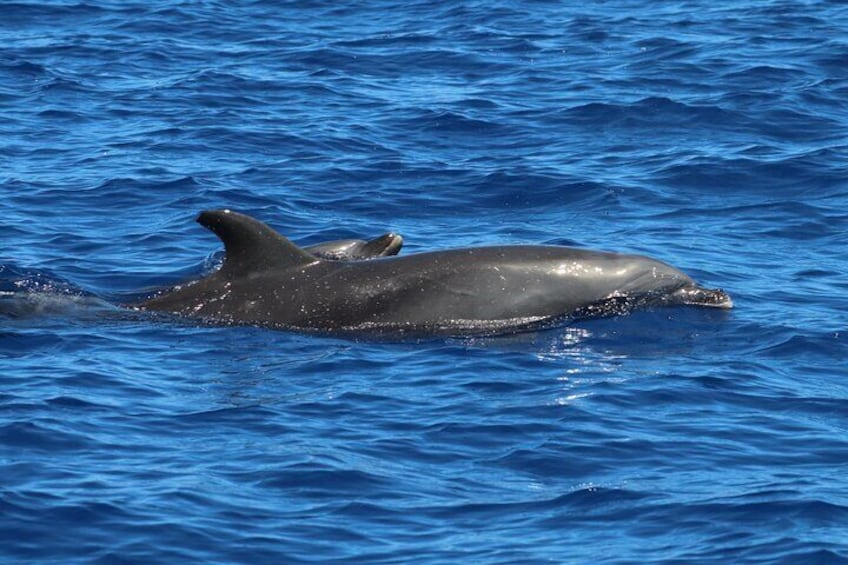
713,136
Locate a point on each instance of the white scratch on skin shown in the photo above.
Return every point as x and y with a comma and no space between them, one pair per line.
575,268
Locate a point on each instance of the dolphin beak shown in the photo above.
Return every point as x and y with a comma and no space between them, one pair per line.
709,297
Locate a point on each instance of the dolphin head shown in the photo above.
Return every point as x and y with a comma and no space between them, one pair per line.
659,281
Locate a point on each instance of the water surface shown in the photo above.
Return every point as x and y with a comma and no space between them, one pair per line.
712,137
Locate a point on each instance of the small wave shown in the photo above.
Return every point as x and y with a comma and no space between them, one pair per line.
823,345
32,305
650,111
28,294
40,437
402,41
765,75
447,122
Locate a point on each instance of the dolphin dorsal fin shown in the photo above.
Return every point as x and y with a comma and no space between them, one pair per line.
251,245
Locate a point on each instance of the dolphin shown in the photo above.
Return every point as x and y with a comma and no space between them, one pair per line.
357,249
266,280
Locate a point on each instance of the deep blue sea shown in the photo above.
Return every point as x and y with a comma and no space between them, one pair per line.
711,135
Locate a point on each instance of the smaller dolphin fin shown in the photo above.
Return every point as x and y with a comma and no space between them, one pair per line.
251,245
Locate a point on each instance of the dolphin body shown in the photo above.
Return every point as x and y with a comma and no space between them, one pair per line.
266,280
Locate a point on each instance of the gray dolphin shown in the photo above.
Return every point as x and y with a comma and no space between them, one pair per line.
266,280
357,249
